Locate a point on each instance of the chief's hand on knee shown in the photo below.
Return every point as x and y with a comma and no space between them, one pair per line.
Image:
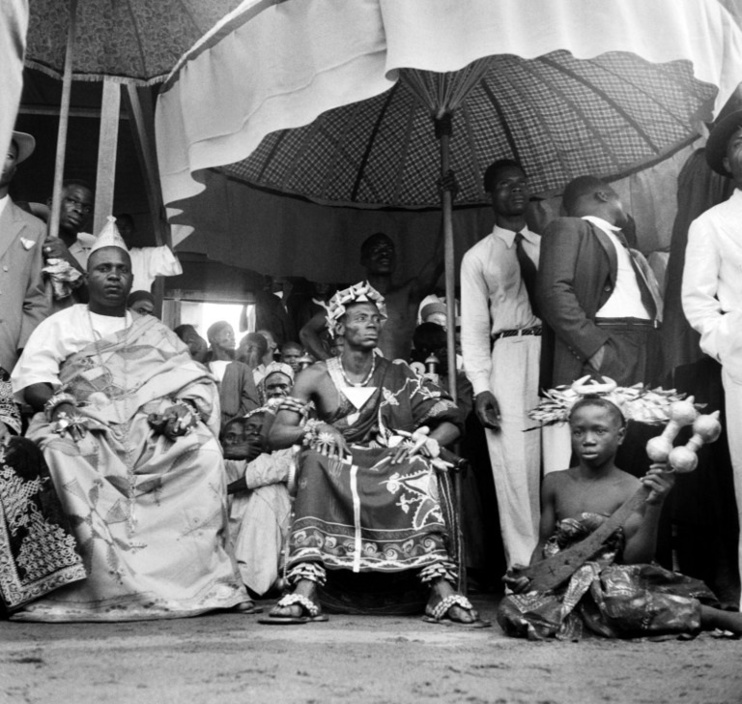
175,421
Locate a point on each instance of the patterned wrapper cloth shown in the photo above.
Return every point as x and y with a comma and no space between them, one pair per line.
38,552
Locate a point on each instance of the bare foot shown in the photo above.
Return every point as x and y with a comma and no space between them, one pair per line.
725,620
439,590
245,607
304,587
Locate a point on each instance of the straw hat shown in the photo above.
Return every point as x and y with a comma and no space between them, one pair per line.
25,143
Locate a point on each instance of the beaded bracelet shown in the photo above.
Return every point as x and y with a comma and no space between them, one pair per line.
67,423
57,400
317,439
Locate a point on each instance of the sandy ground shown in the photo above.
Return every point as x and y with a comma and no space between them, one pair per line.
231,658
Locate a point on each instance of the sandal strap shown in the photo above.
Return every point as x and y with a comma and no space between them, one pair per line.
307,604
442,607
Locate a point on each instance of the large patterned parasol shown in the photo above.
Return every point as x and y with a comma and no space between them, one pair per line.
332,101
557,115
134,41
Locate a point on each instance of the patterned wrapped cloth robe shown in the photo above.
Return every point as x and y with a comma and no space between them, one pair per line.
38,552
607,598
365,514
149,514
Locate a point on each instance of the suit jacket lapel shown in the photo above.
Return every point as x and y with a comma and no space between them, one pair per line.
10,227
610,251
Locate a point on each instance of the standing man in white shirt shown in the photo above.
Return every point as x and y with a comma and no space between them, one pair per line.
501,342
712,285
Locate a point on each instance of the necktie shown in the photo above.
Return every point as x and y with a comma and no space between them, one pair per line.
647,298
527,271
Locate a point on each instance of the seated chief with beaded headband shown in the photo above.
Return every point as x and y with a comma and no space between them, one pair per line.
128,425
368,497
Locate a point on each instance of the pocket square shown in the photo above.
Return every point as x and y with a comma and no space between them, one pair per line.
27,244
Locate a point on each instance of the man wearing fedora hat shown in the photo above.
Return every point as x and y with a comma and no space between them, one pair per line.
712,283
23,300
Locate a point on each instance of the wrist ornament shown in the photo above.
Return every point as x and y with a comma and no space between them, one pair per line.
67,423
316,438
294,405
57,400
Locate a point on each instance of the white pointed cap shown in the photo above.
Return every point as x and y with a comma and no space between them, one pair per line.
109,237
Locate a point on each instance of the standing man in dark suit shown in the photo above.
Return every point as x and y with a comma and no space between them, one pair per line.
23,300
598,296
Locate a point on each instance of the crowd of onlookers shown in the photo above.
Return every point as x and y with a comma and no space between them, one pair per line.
535,311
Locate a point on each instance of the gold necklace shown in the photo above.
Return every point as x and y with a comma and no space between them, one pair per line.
128,463
358,384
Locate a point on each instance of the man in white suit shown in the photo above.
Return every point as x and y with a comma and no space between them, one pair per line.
23,299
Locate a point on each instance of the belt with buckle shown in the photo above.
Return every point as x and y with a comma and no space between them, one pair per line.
535,330
627,323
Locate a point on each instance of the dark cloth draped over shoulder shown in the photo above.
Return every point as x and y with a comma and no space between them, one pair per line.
403,400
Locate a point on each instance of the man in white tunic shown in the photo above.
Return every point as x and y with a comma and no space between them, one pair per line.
712,286
128,425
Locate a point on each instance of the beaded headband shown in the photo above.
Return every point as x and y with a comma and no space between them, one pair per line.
361,292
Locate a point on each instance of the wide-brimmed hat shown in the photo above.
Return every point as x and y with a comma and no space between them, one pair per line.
25,143
716,146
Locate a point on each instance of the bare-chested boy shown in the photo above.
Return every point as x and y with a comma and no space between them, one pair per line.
617,593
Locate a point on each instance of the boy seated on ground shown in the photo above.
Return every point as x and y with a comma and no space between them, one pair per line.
618,593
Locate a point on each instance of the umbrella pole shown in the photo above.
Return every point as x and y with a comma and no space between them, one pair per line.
105,179
443,132
64,117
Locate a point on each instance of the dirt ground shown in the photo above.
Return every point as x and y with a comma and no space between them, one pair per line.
229,658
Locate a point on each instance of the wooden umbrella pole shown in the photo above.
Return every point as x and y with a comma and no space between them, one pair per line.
443,132
64,115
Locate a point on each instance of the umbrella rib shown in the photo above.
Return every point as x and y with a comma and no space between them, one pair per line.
187,12
405,150
501,115
586,123
647,94
464,112
515,87
135,27
269,157
370,142
604,96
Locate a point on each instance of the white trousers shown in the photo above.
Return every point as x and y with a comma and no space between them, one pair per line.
515,454
733,408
